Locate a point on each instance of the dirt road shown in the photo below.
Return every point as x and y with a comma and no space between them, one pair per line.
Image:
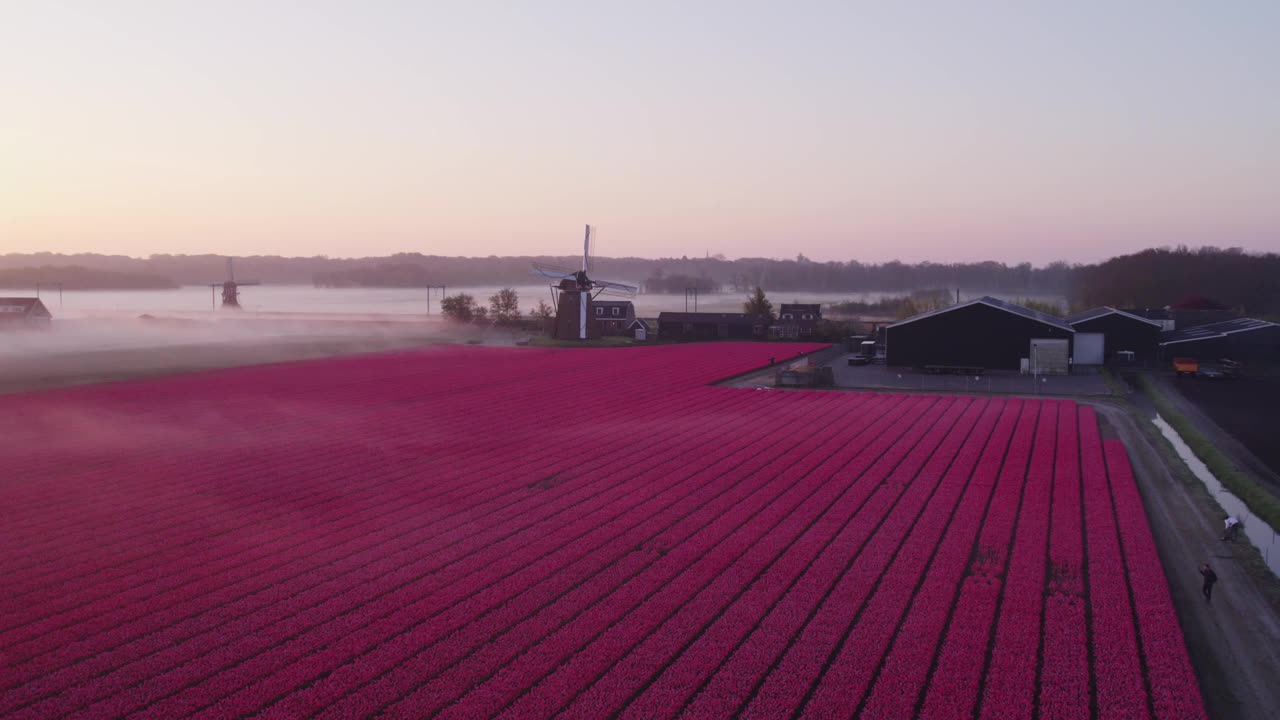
1235,640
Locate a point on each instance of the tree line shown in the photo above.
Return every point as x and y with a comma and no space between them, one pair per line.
1150,278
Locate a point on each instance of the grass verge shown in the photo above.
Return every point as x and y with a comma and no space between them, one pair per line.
1243,551
1259,500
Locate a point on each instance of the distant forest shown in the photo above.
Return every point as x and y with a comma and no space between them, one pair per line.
74,277
1151,278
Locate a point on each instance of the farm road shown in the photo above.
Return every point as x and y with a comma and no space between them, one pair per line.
1235,641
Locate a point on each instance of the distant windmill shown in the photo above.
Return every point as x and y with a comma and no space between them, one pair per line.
231,288
575,291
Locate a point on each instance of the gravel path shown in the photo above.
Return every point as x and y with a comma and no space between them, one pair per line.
1235,641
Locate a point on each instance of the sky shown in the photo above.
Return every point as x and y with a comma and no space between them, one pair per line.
941,131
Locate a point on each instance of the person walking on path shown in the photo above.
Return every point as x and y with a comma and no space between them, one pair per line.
1210,577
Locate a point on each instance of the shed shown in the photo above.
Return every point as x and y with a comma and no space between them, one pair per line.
686,326
1244,339
23,312
1107,335
639,329
981,334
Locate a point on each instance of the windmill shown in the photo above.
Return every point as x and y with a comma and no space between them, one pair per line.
574,291
231,288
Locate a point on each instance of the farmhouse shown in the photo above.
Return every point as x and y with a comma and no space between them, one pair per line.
981,334
612,317
798,321
1107,335
1243,339
18,312
686,326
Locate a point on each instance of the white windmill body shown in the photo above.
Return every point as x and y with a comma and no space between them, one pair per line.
574,291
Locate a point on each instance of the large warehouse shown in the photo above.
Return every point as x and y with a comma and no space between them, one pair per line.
985,333
1106,335
1243,339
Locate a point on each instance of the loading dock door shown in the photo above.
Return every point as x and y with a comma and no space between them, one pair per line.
1090,348
1049,357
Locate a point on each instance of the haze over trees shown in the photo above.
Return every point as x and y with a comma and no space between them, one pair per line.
79,278
462,308
504,306
1151,278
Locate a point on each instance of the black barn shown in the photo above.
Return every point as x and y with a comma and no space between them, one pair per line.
984,333
1119,333
1243,339
710,326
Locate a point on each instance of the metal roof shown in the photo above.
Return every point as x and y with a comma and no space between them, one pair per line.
1215,330
998,304
22,306
1150,313
1103,312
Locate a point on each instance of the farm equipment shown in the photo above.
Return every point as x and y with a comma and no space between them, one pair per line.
1186,366
804,373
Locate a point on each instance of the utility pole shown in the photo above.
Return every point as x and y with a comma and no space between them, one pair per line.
429,289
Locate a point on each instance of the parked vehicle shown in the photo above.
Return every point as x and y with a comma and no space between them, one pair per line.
1186,366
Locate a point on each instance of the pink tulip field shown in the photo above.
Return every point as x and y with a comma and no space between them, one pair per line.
469,532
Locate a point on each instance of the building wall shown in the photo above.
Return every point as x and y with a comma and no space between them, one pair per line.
610,324
677,330
977,335
1124,333
1258,347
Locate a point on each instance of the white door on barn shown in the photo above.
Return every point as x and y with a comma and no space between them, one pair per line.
1090,348
1049,356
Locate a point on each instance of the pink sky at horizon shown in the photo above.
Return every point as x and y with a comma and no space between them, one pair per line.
830,129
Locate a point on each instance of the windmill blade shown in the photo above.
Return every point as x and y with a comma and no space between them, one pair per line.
555,275
586,249
618,287
606,292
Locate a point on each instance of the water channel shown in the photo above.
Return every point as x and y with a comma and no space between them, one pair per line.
1262,535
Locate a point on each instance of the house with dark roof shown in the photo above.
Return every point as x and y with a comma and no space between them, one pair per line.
1242,339
23,312
612,317
1107,335
1198,310
981,334
686,326
798,321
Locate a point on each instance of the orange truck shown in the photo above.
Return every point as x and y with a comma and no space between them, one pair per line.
1186,366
